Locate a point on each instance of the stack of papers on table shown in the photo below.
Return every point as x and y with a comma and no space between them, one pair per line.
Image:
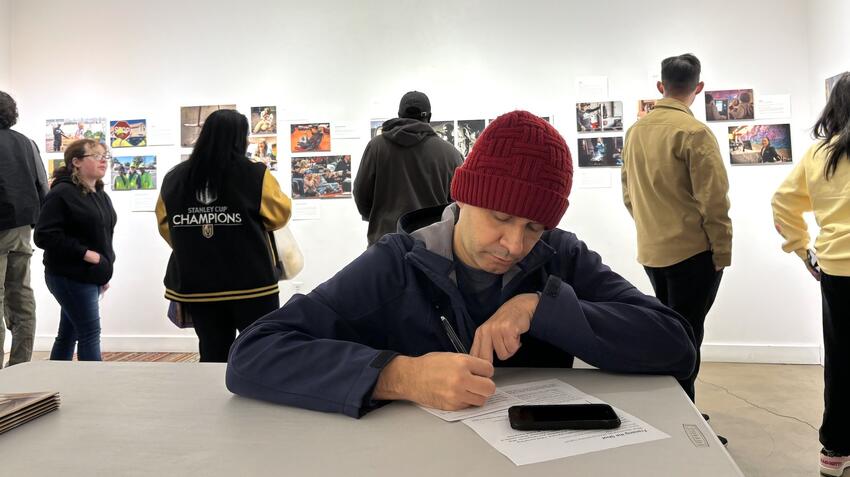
19,408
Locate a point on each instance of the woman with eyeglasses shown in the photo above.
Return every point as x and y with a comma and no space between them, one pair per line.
75,230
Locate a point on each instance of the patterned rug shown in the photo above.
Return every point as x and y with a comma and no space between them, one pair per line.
137,357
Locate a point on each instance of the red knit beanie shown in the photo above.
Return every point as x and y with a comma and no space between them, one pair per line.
519,166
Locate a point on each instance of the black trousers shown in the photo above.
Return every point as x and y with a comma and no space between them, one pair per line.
835,430
688,287
216,323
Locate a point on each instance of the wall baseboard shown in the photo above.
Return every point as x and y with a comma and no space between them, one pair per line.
711,352
759,353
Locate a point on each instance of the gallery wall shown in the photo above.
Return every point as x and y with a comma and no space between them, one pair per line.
349,62
829,44
5,42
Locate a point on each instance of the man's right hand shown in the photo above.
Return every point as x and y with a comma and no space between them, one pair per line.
92,257
447,381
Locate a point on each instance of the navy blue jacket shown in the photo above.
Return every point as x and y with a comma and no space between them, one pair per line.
325,350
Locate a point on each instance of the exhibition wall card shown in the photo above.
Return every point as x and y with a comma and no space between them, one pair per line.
773,106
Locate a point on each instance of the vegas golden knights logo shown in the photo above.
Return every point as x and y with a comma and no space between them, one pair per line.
207,230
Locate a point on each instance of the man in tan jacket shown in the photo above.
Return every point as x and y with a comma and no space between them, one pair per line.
675,186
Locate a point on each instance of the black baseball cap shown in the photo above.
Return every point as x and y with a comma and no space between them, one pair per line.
413,104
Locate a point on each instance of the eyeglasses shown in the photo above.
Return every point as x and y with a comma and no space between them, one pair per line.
100,157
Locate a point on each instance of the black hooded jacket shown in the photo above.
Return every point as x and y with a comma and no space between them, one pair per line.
408,167
72,222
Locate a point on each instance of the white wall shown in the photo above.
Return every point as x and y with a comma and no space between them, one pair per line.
351,61
5,42
829,45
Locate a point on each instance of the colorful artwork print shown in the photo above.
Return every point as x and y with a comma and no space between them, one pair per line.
263,149
645,106
133,173
321,177
128,133
310,137
263,120
760,144
729,105
53,164
600,152
597,117
192,120
467,133
62,132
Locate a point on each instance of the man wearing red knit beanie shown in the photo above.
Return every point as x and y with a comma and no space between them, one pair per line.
425,314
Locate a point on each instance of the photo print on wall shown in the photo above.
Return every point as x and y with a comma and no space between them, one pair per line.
52,165
598,117
760,144
445,129
128,133
133,173
467,133
192,120
376,127
61,132
263,149
729,105
263,120
645,106
310,137
321,177
600,151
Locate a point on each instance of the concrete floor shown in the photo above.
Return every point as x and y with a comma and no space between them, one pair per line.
770,414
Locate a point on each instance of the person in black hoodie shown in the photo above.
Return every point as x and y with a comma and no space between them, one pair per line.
75,230
407,167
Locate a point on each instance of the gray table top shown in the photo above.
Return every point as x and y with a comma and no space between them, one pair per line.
179,419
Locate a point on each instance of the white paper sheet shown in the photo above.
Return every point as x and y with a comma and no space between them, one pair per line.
529,447
773,106
592,179
499,401
144,200
591,88
306,210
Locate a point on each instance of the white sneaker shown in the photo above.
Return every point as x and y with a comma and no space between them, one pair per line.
833,464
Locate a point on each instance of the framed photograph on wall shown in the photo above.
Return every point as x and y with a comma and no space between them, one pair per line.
760,144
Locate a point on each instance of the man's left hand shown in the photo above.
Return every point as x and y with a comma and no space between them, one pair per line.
501,333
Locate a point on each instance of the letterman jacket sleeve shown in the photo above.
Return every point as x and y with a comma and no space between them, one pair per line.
325,350
162,220
275,206
596,315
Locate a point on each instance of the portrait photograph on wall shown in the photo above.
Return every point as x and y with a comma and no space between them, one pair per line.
321,177
310,137
128,133
760,144
192,120
263,120
133,173
61,132
263,149
598,117
728,105
600,151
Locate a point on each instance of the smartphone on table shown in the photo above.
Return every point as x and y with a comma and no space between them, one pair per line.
545,417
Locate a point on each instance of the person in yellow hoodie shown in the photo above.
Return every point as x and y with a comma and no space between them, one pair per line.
820,183
675,187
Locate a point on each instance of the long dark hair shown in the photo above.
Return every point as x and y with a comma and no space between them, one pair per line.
223,139
834,123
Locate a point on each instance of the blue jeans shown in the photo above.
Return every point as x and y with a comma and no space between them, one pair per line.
80,320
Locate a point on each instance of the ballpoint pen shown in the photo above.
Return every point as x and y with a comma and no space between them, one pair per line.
453,336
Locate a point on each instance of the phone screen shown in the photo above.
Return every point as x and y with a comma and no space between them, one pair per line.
563,416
